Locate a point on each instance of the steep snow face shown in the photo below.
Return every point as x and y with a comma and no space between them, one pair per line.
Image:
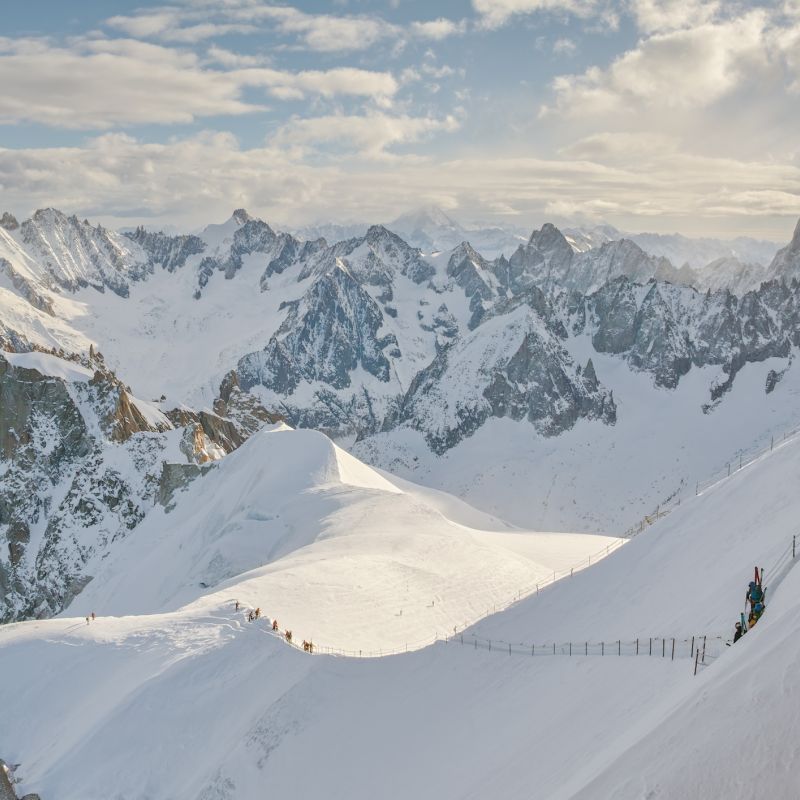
75,254
615,726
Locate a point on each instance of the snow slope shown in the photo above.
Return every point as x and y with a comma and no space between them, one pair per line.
661,444
197,703
295,525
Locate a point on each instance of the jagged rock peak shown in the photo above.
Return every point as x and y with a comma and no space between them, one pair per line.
241,216
549,238
9,221
376,233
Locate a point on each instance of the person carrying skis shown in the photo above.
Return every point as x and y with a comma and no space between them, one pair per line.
739,632
758,610
755,594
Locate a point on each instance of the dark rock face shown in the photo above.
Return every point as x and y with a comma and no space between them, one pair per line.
514,365
330,332
665,330
80,468
8,221
468,268
255,236
168,252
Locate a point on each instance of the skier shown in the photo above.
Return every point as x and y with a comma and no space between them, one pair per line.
288,636
739,632
93,616
754,594
237,605
258,613
758,610
275,625
87,620
250,616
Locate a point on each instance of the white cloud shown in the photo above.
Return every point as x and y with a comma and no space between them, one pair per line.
111,83
682,69
496,13
104,83
324,32
668,15
378,86
226,58
438,29
169,25
564,46
370,135
119,178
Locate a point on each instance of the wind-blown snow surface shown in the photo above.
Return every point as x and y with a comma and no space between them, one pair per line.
200,704
295,525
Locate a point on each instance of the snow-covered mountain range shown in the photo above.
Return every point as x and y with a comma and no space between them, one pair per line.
411,360
194,426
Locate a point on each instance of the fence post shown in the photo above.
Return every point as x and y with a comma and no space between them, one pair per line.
673,648
554,648
663,647
570,648
533,648
509,648
586,649
692,651
771,444
704,650
696,657
729,469
637,647
651,645
490,645
602,648
697,488
740,460
794,545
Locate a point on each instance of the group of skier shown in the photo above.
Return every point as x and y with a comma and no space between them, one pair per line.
755,597
254,614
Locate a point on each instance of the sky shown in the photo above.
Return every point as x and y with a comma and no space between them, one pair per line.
651,115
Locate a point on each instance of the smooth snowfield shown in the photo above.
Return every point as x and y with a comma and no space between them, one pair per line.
199,704
336,551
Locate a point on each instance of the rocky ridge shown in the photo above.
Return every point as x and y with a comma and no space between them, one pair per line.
82,461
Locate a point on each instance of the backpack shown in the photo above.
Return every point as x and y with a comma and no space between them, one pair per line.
756,594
